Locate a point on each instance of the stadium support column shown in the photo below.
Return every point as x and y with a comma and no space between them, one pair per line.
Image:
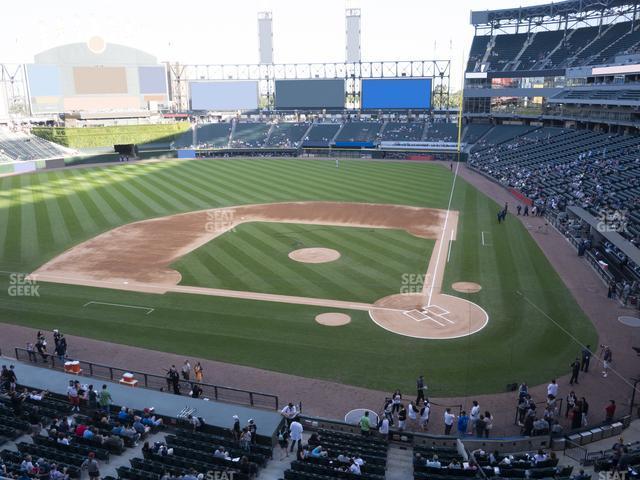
265,37
352,19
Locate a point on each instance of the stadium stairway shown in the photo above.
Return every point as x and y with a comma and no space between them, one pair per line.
399,462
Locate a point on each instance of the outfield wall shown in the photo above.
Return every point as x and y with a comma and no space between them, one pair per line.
91,137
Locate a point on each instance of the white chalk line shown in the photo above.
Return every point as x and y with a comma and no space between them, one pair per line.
450,246
444,232
484,241
149,309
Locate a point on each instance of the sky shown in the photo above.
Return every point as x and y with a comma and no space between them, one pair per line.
215,31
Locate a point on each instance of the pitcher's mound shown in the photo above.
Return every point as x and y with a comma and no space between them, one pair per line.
314,255
466,287
333,319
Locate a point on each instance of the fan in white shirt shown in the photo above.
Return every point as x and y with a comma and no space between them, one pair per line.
289,411
474,414
552,388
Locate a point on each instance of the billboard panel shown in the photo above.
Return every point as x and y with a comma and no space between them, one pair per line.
45,88
316,93
152,80
396,93
224,95
99,80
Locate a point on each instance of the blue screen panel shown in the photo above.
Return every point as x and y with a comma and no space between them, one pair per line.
224,95
44,80
152,80
414,93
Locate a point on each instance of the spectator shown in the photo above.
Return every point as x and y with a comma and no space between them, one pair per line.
384,428
253,429
586,358
197,371
365,424
41,347
449,418
575,370
552,388
196,391
91,466
402,417
104,399
74,398
571,402
318,452
289,412
245,439
474,415
173,380
235,428
421,387
92,398
396,399
31,352
283,442
354,468
434,462
610,411
488,423
463,422
607,358
540,457
295,432
194,422
425,411
186,370
412,412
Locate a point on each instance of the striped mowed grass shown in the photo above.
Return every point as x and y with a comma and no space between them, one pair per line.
44,214
254,257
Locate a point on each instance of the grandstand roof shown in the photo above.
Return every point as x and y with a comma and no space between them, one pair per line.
567,7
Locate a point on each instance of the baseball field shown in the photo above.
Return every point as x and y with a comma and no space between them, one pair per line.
234,260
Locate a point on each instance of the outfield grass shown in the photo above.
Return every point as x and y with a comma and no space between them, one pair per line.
43,214
254,258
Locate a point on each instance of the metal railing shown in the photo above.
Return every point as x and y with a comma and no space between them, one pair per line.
153,381
575,451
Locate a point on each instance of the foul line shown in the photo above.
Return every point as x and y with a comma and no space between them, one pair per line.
149,310
568,334
484,242
444,232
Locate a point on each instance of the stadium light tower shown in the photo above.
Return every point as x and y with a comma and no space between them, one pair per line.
265,37
352,19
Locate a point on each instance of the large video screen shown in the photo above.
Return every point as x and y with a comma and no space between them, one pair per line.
316,93
152,80
45,88
396,93
224,95
100,80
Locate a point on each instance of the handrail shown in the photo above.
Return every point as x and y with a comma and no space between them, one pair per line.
575,451
153,381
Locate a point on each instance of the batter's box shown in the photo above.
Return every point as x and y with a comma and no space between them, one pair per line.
436,310
417,315
420,316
